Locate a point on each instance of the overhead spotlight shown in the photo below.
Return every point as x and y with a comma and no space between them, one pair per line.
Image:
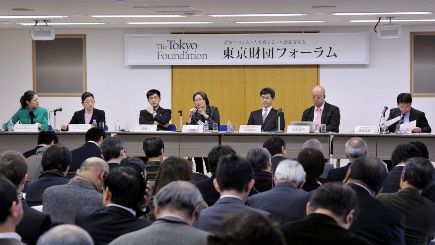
42,32
389,30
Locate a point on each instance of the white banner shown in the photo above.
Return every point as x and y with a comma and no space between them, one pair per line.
247,49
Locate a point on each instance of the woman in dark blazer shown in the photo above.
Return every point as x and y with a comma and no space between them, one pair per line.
202,112
88,114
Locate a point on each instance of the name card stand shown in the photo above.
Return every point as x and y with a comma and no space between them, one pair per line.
192,129
298,129
79,127
250,129
366,130
26,128
145,128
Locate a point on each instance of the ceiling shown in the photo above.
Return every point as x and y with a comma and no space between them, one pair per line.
198,11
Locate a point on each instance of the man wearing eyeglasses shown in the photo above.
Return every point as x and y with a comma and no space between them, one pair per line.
154,114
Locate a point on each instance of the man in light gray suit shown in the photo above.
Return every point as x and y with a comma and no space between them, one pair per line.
286,202
63,202
177,206
234,180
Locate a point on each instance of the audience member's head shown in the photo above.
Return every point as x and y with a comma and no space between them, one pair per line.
289,171
216,153
11,210
418,173
47,138
65,235
260,159
313,143
369,171
247,228
136,163
154,148
56,157
124,186
180,198
95,134
13,166
113,149
172,169
335,200
234,174
275,145
422,147
355,148
313,162
403,152
94,169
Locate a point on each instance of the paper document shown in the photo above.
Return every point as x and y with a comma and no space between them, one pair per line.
391,121
408,127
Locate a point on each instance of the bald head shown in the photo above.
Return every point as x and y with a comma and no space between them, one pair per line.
94,169
318,95
66,235
356,148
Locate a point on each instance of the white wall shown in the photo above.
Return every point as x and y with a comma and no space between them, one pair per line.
360,91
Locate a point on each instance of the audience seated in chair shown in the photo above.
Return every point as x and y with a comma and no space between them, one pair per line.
45,138
94,138
66,235
154,149
113,151
313,162
11,212
276,148
315,143
261,163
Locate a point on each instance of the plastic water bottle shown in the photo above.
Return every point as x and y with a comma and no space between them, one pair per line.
206,128
229,126
94,123
117,126
10,126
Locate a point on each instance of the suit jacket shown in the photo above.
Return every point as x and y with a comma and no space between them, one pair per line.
337,174
105,225
319,229
376,222
163,117
209,193
392,182
429,192
210,218
164,231
34,189
23,115
63,202
32,152
213,117
34,167
32,225
79,155
419,214
276,159
263,181
97,115
10,241
270,124
284,202
414,114
330,117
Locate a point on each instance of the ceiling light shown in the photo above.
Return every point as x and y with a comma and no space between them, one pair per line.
170,23
255,15
138,16
280,22
384,13
63,23
374,21
32,16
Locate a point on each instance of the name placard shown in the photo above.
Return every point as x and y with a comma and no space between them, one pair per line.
79,127
192,129
366,130
145,128
298,129
26,127
250,129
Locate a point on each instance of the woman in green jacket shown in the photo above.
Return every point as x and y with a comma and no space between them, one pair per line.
31,112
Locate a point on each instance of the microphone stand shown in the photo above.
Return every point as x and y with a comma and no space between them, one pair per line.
382,129
54,120
279,122
181,119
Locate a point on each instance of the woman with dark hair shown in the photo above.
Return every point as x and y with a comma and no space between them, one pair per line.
313,162
30,111
88,114
200,113
172,169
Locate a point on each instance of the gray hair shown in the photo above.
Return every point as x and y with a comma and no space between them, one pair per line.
259,158
290,171
356,148
179,195
313,143
65,235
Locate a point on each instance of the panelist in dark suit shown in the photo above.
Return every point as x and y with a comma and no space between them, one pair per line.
408,114
267,117
202,112
154,114
322,112
88,114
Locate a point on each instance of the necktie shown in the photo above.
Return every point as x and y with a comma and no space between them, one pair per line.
264,114
402,119
318,116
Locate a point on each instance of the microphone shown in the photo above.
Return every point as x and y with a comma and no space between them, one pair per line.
279,111
58,109
180,112
278,119
385,109
193,112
